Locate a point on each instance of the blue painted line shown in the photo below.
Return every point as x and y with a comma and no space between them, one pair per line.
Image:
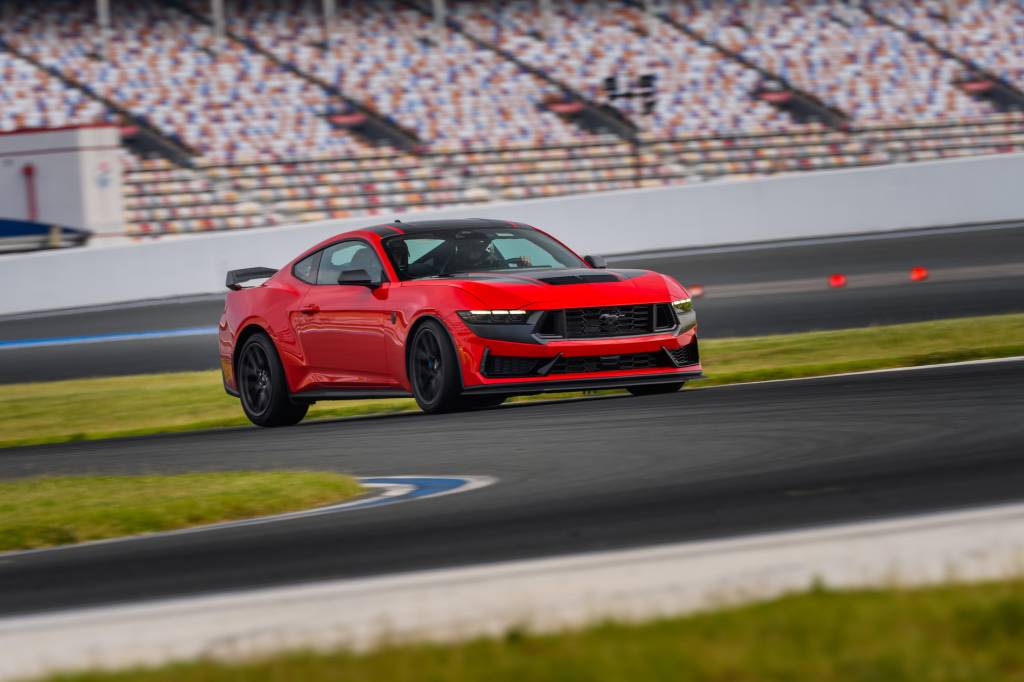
106,338
422,487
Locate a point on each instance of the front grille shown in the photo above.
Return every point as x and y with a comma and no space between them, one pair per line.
609,363
687,355
596,323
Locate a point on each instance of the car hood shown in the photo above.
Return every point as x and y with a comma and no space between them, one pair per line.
577,288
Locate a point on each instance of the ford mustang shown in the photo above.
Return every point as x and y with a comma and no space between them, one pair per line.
459,314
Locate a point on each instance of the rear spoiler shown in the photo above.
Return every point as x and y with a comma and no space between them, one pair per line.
235,278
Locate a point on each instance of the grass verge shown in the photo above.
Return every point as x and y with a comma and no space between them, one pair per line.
42,512
80,409
939,634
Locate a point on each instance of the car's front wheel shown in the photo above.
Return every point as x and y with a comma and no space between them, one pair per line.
262,385
434,370
656,389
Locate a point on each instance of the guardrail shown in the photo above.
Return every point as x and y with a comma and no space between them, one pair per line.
874,199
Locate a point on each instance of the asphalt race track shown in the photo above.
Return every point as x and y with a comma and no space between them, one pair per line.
571,476
764,289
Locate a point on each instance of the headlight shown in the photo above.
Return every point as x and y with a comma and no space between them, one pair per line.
684,305
685,314
494,316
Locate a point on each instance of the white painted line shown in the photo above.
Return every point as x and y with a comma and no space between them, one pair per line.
542,594
810,241
107,307
390,490
875,280
888,370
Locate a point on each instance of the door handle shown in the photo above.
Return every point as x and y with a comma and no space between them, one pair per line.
309,309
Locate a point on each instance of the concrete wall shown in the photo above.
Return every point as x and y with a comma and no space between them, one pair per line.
977,190
76,173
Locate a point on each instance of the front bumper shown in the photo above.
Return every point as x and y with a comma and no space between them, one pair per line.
578,364
556,385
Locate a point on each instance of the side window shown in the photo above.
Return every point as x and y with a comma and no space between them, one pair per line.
305,269
352,255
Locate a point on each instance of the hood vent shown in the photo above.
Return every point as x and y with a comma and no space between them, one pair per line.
580,279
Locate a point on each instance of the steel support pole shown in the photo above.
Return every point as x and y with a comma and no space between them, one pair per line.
329,7
440,18
103,19
217,11
649,10
545,16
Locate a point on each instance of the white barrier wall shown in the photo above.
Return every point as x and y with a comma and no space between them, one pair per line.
74,174
927,194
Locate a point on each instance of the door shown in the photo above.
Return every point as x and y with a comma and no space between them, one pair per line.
342,327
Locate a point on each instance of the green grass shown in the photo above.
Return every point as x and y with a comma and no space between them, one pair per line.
41,512
123,406
944,634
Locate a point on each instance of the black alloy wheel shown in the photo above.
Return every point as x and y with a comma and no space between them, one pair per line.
427,365
254,378
262,386
433,370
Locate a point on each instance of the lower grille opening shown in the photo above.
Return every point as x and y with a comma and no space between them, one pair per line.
504,366
687,355
609,363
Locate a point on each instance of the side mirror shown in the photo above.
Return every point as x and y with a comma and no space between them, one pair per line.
359,278
596,261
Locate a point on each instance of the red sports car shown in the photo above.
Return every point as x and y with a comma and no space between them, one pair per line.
456,313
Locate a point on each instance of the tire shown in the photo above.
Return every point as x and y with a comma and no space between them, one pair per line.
655,389
262,386
434,370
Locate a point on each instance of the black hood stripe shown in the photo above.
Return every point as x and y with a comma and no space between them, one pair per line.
555,277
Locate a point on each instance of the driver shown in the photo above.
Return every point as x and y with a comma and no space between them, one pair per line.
475,253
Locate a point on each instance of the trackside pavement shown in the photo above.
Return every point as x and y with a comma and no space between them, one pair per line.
540,594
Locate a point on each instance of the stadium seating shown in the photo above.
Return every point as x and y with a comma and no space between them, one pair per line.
842,55
453,94
255,108
32,98
700,90
989,33
229,104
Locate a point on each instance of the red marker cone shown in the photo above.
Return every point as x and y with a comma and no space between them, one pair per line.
918,274
837,280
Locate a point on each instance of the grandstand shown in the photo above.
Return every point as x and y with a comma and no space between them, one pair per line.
282,118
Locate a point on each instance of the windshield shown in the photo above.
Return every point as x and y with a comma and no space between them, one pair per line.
447,253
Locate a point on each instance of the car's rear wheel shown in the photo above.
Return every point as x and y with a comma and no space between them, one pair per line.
262,385
656,389
434,370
